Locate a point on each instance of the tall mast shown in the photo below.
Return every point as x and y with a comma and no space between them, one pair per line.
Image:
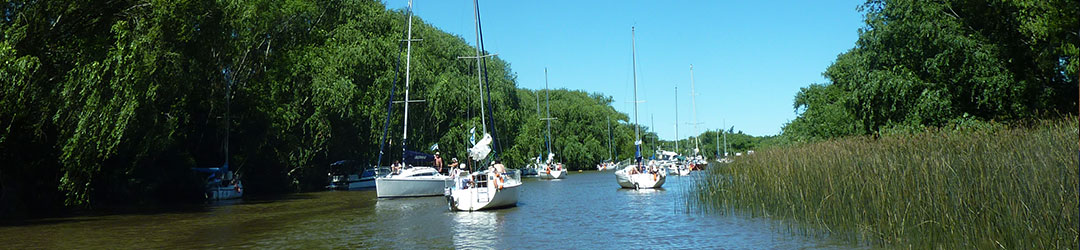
676,119
228,110
408,55
547,99
611,155
479,77
693,103
725,140
718,146
633,58
538,116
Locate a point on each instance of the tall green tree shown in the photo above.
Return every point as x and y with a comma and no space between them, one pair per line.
919,63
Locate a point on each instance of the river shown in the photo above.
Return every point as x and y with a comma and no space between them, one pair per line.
584,211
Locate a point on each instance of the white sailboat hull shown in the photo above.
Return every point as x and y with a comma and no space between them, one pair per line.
490,195
472,200
413,182
640,180
410,187
553,174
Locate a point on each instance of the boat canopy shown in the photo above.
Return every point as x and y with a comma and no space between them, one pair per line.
418,158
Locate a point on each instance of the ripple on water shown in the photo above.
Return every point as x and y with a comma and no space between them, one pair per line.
583,211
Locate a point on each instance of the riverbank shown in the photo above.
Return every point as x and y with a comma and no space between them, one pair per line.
971,188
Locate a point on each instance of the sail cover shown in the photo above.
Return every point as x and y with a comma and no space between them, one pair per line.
418,158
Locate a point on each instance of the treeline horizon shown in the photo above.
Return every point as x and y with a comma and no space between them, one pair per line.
114,102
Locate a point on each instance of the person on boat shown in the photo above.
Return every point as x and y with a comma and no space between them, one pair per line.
454,165
396,167
438,163
499,168
499,171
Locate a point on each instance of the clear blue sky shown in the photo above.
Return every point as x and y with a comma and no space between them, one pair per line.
749,57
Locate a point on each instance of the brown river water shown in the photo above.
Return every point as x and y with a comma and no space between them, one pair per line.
583,211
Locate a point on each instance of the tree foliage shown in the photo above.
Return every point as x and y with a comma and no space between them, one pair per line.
107,102
928,64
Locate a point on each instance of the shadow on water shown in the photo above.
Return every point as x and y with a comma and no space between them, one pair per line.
96,214
147,210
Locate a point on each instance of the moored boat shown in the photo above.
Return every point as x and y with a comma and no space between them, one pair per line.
412,182
405,180
222,184
641,177
636,175
494,187
483,190
345,175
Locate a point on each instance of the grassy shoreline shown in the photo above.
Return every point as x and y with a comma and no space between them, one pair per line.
971,188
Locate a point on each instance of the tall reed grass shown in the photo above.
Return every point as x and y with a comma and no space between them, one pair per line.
976,188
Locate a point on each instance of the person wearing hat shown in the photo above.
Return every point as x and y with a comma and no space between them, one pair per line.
454,164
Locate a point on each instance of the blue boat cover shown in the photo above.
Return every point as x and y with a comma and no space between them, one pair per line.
418,158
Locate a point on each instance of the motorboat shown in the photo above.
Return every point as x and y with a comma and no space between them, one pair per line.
533,168
345,175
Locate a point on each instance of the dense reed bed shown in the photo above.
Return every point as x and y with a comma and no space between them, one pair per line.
969,188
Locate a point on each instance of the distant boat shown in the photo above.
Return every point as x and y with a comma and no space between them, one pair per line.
608,164
408,180
637,175
532,168
487,189
222,184
696,160
550,169
345,175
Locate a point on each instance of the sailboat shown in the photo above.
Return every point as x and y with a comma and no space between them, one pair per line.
637,176
551,169
222,184
674,161
497,186
407,180
697,161
610,162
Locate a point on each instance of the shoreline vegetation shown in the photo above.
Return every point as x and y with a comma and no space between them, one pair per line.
969,187
114,103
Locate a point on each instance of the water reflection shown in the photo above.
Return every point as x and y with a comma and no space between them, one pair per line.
580,212
476,229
